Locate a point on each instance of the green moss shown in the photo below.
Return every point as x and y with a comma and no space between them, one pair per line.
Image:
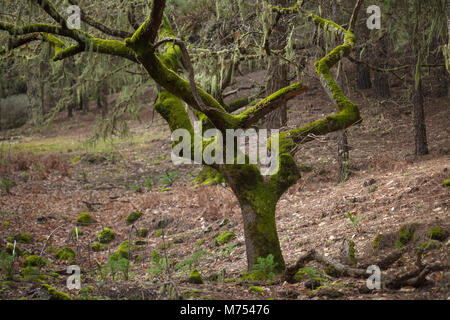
34,261
65,253
84,219
143,232
447,183
158,233
376,241
55,294
404,235
209,176
256,289
97,247
436,234
122,250
225,237
23,238
195,277
32,273
75,231
133,217
106,235
10,249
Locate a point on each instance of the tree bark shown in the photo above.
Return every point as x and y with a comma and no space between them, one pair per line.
277,74
381,80
419,122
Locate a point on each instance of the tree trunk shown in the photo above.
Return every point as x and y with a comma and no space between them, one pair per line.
419,122
260,232
364,81
381,80
420,132
257,201
277,77
343,157
343,149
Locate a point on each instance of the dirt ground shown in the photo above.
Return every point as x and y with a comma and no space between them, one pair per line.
57,176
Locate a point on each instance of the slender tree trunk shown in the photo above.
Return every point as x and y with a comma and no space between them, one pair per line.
381,79
277,79
420,132
343,149
419,122
277,74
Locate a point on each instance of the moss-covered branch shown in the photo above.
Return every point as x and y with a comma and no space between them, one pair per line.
146,34
267,105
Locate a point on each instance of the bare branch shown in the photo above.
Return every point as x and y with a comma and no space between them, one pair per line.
99,26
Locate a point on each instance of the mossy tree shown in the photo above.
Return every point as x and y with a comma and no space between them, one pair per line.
154,46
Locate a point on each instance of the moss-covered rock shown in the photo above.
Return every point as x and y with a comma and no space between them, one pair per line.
225,237
133,217
34,261
437,234
65,253
10,249
256,289
405,234
376,241
32,273
97,247
24,238
122,250
84,219
106,235
143,232
195,277
54,294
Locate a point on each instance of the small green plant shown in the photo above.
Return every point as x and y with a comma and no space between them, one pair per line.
26,177
6,185
264,269
353,219
160,265
193,260
7,265
148,183
169,178
84,177
227,250
119,264
309,273
137,189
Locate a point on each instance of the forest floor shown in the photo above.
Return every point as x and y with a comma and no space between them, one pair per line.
57,176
